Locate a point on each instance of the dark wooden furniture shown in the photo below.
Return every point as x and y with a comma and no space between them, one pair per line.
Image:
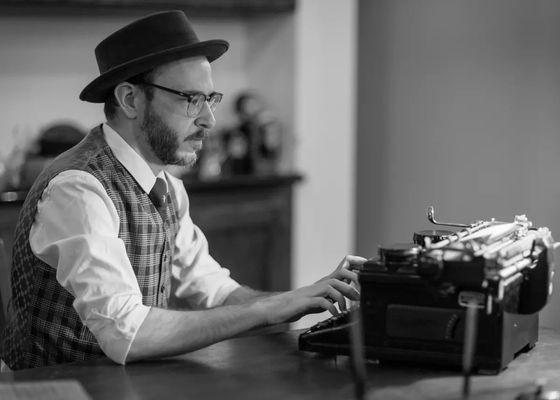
247,221
271,367
10,204
5,289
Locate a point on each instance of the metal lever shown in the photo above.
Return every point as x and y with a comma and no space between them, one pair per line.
431,217
469,346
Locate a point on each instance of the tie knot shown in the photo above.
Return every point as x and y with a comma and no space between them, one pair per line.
158,192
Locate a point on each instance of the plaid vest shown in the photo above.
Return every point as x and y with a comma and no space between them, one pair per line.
44,328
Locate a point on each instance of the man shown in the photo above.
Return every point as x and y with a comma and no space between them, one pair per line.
105,226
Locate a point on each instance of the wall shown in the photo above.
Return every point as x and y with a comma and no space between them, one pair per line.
271,70
48,59
459,107
325,127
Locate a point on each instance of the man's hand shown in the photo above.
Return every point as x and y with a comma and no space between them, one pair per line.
344,270
319,297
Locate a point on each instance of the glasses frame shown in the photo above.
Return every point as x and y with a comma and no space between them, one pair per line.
190,97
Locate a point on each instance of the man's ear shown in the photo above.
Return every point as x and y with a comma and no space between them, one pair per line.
127,96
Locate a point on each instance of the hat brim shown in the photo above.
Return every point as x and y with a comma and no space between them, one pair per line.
98,89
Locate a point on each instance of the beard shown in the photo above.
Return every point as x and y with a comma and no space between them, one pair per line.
164,141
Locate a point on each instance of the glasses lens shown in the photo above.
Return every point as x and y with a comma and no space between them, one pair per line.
197,102
215,99
195,105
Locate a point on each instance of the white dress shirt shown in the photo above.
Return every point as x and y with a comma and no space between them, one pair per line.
76,231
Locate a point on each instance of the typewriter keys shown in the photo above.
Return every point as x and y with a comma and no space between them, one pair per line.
435,235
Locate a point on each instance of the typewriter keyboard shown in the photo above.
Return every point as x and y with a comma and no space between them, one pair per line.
336,320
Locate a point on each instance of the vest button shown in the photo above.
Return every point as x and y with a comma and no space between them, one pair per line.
162,289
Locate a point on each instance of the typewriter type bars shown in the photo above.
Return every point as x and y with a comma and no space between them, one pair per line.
507,248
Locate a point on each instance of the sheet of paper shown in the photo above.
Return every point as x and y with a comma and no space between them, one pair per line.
43,390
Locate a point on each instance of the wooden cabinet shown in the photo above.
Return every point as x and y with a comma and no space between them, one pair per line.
10,204
247,221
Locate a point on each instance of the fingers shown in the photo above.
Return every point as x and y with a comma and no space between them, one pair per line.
334,287
351,260
344,270
337,297
321,302
344,288
316,298
335,290
345,275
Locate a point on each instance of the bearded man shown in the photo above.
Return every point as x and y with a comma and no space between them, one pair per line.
105,227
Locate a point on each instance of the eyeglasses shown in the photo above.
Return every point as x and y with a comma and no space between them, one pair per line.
196,100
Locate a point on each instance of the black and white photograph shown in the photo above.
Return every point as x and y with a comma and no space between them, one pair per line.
279,199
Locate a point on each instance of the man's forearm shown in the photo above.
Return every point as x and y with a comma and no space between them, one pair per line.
168,332
245,294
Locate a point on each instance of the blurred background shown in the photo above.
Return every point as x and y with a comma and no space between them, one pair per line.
373,110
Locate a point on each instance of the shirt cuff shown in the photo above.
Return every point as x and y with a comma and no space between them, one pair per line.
224,291
115,335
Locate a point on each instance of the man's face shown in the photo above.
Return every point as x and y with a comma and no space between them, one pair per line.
173,137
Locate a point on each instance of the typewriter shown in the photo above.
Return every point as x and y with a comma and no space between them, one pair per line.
415,296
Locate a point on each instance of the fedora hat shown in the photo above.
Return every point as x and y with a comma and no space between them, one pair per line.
144,44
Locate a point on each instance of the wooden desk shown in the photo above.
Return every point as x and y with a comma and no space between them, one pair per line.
271,367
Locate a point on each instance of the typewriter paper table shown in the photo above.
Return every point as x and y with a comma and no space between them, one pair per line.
271,367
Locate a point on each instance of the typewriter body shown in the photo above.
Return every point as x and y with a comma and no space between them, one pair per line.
414,296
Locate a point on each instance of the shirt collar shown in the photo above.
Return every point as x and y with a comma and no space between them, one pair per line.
131,160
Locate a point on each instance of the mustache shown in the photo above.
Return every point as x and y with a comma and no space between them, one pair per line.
198,135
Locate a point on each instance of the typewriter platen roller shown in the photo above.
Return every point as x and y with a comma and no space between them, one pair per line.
414,295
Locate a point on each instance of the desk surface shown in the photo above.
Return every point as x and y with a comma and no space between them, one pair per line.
271,367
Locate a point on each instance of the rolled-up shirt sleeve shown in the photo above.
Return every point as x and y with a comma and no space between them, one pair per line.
76,232
202,281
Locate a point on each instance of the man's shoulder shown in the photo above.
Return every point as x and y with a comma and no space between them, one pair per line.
87,155
91,155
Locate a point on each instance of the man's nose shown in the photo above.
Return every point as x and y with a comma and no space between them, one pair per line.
206,118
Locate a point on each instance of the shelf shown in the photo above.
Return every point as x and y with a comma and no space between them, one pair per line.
240,182
191,7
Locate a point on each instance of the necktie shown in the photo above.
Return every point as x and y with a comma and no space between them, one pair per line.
158,195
